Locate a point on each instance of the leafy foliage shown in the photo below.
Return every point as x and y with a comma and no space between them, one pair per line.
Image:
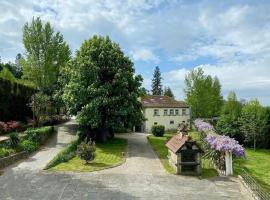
228,123
4,152
102,87
203,93
28,145
156,82
13,140
46,51
86,151
158,130
254,122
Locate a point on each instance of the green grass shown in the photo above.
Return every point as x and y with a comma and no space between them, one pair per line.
257,164
108,155
158,144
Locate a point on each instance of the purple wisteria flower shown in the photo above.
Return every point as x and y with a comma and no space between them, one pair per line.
225,143
203,126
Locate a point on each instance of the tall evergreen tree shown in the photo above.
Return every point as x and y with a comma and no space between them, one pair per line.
168,92
156,82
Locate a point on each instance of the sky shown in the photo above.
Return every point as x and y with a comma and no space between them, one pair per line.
228,39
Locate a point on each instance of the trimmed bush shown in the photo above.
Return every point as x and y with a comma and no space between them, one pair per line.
158,130
65,155
28,145
86,151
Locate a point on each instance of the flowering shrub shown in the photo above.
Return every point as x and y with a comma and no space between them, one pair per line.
225,143
203,126
6,127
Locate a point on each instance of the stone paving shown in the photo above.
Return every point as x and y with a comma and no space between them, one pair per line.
141,177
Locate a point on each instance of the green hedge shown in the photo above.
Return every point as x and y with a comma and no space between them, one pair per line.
14,98
158,130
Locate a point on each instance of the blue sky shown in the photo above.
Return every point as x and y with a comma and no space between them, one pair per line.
228,39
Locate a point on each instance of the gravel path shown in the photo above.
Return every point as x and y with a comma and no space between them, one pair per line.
141,177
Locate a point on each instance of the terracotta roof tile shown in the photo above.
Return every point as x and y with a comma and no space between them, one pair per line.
162,102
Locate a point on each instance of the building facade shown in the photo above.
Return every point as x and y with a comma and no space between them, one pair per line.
164,110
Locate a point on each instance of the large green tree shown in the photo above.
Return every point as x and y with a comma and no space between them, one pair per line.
156,82
103,89
168,92
45,52
228,123
203,93
254,121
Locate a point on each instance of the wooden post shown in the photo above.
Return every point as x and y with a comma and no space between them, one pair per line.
228,161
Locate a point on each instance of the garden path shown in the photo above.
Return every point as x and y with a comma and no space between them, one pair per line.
65,133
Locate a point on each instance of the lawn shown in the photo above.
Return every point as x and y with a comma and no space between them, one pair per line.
158,144
257,164
108,155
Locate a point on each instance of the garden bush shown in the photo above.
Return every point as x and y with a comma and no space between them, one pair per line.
37,134
65,155
4,152
158,130
28,145
86,151
13,140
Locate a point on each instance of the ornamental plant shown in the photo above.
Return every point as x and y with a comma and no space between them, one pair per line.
86,151
224,143
203,126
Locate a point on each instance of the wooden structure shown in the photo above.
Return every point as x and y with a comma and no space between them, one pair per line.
184,155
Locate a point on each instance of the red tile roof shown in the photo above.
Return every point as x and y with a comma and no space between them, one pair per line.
152,101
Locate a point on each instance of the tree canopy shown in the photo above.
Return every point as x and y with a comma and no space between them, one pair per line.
46,52
103,89
203,93
156,82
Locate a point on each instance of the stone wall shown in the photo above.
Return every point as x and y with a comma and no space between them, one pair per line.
6,161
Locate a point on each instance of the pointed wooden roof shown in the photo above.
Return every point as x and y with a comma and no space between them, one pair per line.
176,143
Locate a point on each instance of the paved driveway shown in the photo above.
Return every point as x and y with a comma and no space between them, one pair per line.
141,177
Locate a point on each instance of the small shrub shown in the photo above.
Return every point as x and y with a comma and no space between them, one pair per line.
28,145
86,151
36,134
13,140
6,127
4,152
158,130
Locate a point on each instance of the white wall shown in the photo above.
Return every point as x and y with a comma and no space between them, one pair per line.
164,120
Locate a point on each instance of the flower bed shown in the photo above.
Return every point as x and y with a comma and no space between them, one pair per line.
10,126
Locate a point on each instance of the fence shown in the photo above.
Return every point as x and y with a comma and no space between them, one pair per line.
258,191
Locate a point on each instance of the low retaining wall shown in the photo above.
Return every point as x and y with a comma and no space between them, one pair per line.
6,161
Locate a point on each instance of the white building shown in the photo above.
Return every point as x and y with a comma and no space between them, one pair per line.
164,110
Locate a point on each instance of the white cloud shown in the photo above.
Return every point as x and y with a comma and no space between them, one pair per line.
144,54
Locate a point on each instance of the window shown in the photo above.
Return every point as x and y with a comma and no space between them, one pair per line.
171,111
165,112
176,112
184,111
155,123
171,122
156,112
